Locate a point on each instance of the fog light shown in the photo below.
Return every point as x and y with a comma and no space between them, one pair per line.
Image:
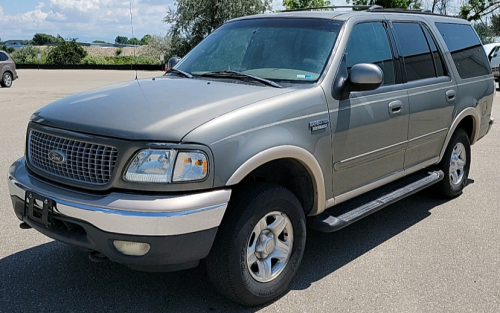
132,248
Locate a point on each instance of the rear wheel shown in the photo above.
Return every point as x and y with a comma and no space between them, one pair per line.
6,80
259,245
455,165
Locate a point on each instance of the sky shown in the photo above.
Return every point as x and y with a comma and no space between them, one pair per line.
87,20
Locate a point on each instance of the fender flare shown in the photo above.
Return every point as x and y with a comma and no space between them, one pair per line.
475,129
289,152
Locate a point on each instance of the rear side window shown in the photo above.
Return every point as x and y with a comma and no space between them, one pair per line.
421,56
3,57
466,49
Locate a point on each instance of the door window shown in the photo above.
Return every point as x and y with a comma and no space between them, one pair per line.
415,49
369,44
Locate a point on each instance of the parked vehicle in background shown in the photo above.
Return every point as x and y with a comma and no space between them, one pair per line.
272,122
488,48
494,57
7,70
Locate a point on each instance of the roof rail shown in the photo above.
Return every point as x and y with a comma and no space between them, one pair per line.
369,8
378,8
333,7
375,7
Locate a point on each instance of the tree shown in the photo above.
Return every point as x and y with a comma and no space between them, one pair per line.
194,19
484,32
400,4
134,41
98,41
66,52
299,4
440,6
475,9
158,45
121,40
145,39
40,39
495,23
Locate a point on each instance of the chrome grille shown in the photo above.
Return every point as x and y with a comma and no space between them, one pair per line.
78,160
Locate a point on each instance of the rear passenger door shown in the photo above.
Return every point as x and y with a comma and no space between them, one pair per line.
431,90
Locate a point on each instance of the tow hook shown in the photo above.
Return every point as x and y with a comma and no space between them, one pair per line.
97,257
24,225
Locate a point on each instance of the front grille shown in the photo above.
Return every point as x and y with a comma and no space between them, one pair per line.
72,159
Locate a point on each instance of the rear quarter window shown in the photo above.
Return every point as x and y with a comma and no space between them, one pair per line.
466,49
3,56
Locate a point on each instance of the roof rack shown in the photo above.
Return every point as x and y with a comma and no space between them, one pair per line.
366,7
369,8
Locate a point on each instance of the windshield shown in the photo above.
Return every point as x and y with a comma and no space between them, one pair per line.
281,49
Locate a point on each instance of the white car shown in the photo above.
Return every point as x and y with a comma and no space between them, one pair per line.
494,57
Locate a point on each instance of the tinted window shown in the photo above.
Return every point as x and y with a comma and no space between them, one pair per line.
415,51
369,44
466,49
3,57
438,60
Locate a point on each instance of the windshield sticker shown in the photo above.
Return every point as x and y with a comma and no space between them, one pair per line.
305,76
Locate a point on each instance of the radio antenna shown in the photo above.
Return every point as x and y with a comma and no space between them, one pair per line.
132,27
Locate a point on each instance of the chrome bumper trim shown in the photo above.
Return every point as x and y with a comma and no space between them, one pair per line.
130,214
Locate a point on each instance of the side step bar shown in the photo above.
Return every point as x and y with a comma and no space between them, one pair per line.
353,210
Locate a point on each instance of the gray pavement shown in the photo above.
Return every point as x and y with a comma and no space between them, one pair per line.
422,254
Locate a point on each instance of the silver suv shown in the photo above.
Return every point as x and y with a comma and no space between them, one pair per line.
7,70
273,122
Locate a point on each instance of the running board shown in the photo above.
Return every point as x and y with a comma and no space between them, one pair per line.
353,210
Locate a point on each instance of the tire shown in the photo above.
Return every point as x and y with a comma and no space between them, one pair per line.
455,165
259,245
6,80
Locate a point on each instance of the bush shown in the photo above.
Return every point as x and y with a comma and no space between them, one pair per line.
95,60
29,55
66,52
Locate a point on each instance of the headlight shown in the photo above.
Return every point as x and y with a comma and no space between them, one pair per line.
166,166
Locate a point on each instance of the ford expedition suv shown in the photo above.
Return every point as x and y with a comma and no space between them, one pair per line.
271,123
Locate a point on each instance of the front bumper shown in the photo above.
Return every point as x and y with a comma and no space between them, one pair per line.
180,229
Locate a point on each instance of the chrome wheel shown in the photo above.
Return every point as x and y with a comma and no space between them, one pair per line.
457,164
270,246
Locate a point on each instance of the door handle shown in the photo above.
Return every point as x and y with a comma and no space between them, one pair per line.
450,95
395,107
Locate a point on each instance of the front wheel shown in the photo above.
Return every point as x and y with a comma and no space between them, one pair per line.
259,245
455,165
6,80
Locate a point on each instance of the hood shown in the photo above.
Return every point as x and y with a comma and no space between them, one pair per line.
160,109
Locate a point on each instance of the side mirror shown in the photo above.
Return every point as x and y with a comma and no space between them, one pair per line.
172,62
365,77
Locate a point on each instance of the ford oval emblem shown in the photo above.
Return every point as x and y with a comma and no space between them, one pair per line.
57,157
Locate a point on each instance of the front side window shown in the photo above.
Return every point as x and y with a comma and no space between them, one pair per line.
280,49
466,49
368,43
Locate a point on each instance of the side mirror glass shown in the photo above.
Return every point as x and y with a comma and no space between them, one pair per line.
365,76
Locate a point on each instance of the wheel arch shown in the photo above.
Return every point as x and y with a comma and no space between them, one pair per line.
468,120
293,160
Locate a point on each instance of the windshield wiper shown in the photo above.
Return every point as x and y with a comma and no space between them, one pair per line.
182,73
236,74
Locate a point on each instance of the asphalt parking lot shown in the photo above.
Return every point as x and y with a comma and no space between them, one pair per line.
422,254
